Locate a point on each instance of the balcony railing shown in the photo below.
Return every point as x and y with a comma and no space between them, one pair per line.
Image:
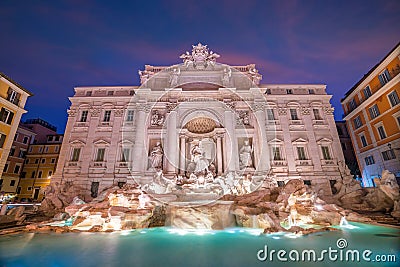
303,162
279,162
328,162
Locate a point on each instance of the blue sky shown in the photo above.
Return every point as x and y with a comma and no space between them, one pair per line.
51,46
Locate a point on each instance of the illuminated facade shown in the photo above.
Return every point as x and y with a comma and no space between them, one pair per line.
12,102
372,114
269,132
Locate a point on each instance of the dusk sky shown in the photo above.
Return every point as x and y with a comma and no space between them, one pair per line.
50,47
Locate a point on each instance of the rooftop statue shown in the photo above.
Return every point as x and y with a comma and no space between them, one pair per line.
200,57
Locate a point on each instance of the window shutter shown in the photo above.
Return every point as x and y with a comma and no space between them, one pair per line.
2,140
381,80
2,113
10,117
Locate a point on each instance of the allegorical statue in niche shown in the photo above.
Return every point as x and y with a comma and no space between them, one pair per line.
156,157
245,155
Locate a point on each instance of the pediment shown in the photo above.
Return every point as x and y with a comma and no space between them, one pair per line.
77,142
300,140
324,141
275,141
101,142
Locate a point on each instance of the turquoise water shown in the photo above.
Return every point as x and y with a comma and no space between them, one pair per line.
171,247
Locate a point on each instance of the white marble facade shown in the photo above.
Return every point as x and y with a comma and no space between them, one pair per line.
200,115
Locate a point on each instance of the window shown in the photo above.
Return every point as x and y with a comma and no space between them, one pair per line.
381,131
131,92
398,120
367,92
289,91
388,154
57,138
19,190
301,153
30,149
125,154
394,98
75,154
50,138
12,151
107,116
33,174
12,182
40,149
30,188
40,174
110,93
100,154
270,114
352,104
317,116
43,161
50,173
369,160
26,140
374,111
56,149
293,114
88,93
384,77
5,167
15,137
27,161
84,115
36,161
22,153
94,189
268,92
2,139
6,115
357,122
325,152
129,115
311,91
13,96
17,169
46,149
363,140
23,175
276,153
307,182
121,184
53,160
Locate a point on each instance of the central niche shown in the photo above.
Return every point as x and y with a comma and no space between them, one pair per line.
201,125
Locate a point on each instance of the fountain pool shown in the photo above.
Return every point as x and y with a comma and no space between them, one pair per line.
176,247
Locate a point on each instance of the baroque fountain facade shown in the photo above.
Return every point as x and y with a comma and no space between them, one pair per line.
201,145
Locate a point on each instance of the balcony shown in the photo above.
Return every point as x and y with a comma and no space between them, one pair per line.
329,162
97,167
303,162
278,163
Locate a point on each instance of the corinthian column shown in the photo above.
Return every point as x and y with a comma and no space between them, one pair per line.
263,157
139,154
182,162
219,155
172,141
